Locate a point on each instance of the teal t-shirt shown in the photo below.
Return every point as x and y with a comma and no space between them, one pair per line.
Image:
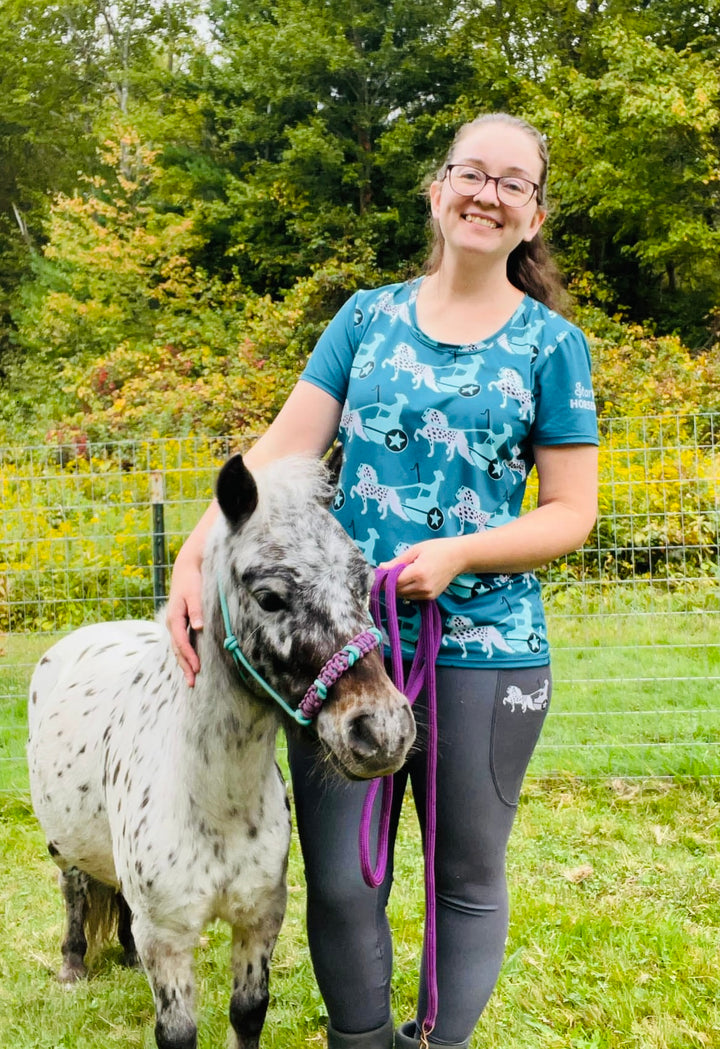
438,441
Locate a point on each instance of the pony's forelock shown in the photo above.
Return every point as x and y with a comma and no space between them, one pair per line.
291,481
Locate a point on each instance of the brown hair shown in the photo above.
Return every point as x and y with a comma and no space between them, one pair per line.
530,266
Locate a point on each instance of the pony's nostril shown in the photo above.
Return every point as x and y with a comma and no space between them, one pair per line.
362,736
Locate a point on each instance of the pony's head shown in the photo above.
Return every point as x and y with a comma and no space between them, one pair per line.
297,591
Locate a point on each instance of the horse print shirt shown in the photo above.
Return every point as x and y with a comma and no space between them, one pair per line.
438,441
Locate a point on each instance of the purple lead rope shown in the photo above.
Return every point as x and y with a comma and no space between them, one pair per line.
422,672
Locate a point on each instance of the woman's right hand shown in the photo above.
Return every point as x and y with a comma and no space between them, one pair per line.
184,609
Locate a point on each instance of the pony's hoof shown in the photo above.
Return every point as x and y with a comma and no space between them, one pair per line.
131,960
71,972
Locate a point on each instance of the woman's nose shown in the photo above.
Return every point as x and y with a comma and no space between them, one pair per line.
488,192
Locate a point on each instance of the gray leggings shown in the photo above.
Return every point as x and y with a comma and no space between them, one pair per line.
487,731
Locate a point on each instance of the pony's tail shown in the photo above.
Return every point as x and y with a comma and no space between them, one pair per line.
93,913
101,916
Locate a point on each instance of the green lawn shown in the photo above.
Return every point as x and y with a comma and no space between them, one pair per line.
613,943
615,880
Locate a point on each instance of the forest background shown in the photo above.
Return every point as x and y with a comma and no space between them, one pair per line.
190,189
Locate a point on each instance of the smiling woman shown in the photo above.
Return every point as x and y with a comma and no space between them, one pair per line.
529,266
444,391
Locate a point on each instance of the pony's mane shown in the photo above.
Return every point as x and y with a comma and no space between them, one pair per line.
290,482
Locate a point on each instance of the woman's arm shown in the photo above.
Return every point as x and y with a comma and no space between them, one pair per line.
561,522
307,424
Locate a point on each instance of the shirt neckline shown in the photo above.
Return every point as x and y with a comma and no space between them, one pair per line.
456,347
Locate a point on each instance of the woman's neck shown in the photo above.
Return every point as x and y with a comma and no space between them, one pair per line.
460,307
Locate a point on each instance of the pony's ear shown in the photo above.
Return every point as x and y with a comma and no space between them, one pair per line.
334,463
236,491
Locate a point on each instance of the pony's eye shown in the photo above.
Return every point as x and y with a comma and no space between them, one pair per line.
269,601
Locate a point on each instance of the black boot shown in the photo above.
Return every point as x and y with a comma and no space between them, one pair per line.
380,1038
407,1036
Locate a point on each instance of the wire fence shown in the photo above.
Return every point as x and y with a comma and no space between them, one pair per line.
89,532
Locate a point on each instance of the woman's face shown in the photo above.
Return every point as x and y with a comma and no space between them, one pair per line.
482,222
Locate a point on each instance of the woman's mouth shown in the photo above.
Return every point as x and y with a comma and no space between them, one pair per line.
482,220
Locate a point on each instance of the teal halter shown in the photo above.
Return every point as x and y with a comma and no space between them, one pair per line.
313,699
232,645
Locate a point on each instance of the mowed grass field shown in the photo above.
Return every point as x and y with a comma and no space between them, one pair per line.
614,872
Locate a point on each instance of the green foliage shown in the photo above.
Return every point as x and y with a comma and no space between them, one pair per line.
112,262
638,373
180,212
659,462
82,551
636,158
124,336
45,93
324,145
658,518
68,69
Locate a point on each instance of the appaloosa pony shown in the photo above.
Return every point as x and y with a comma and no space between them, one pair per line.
166,800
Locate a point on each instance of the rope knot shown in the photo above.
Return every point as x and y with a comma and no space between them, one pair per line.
231,644
335,667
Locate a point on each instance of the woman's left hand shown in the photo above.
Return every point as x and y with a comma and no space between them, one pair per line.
431,567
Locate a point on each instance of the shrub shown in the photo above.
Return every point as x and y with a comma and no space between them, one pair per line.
76,537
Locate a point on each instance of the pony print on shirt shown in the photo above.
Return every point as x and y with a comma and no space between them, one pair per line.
438,441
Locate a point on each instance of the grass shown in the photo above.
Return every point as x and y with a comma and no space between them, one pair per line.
613,943
635,692
18,655
615,880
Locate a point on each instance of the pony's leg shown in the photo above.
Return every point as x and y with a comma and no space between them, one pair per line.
251,953
74,885
168,961
125,936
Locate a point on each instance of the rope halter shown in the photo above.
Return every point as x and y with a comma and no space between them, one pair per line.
311,703
335,667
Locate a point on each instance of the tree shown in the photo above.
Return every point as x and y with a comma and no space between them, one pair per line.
113,263
68,67
46,91
637,164
312,103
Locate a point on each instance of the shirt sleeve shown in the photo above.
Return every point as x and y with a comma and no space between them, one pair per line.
331,360
564,400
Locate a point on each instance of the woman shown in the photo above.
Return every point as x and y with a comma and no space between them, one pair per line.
444,392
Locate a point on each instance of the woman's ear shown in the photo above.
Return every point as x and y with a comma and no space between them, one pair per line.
538,219
434,197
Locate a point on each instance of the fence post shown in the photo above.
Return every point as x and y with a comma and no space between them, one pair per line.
157,497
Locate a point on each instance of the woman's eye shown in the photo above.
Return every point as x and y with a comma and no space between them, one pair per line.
269,601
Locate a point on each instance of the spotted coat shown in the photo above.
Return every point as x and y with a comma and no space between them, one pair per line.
369,488
436,431
170,796
467,509
404,359
461,630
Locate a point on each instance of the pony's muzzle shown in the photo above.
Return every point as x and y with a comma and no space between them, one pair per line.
367,724
380,747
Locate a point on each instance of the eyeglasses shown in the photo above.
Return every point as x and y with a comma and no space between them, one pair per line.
468,181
